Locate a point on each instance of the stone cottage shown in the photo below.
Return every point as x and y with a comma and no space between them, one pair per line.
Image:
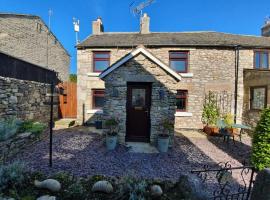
143,78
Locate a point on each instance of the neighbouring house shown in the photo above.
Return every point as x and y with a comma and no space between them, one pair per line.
145,77
31,58
27,37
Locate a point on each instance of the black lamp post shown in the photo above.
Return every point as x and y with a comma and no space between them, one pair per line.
50,101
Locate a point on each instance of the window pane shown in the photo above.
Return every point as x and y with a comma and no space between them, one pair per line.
258,98
178,54
257,60
181,104
264,60
99,102
101,65
102,55
138,97
178,65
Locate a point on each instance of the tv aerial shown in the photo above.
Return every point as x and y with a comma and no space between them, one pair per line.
137,9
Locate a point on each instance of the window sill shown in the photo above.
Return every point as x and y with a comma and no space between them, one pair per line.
94,74
183,114
186,75
94,111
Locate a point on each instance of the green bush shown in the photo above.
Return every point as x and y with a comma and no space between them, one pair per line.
26,125
9,128
260,157
34,127
12,175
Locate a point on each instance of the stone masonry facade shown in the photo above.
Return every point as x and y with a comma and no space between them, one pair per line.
209,69
25,37
140,69
24,100
254,78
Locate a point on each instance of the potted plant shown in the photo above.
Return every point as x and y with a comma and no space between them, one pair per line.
228,120
111,136
165,139
210,115
98,122
169,127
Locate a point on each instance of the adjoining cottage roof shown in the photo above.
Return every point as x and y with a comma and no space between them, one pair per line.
132,54
207,38
30,16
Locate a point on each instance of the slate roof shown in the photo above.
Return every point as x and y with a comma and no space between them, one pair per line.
175,39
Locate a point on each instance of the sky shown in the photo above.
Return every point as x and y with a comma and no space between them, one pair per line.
230,16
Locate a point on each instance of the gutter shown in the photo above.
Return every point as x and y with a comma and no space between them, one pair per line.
236,81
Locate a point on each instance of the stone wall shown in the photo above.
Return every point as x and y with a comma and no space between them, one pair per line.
254,78
140,69
24,100
209,69
25,37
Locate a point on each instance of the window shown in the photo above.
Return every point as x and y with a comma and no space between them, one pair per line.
98,98
101,60
179,61
258,97
181,100
261,60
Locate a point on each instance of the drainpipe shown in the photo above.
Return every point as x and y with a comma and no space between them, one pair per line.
236,80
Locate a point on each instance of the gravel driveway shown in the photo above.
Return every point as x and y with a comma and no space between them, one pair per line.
82,153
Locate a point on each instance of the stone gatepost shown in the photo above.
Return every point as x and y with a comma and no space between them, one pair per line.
261,189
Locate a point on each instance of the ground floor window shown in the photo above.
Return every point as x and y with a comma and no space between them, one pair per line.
98,98
181,100
258,97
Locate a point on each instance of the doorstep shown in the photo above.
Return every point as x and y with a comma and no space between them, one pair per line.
141,147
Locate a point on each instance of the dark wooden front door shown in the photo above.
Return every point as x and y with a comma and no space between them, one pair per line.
138,112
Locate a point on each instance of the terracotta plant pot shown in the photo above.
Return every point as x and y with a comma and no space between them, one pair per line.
232,131
211,130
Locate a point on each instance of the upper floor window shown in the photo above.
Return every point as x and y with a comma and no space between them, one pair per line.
181,100
258,97
101,60
98,98
261,60
179,61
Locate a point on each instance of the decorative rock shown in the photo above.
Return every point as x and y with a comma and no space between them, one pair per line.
24,135
46,197
50,184
156,191
102,186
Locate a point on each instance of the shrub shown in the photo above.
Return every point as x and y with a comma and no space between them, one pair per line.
75,192
9,128
12,175
112,124
260,157
26,125
133,189
210,113
229,120
34,127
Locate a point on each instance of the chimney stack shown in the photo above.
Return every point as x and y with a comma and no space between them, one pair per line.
145,24
265,31
97,27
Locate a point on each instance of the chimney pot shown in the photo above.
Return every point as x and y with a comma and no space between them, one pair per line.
97,27
145,24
